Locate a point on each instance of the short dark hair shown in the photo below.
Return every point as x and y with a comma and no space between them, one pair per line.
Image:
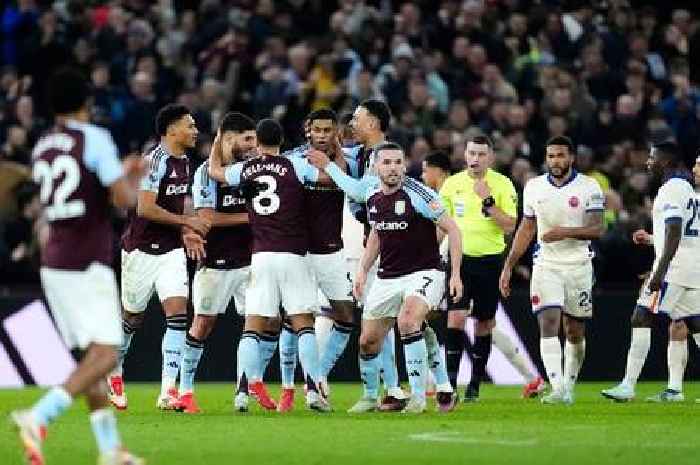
237,122
379,110
68,91
669,150
168,115
269,133
345,118
322,113
561,140
482,139
387,146
439,160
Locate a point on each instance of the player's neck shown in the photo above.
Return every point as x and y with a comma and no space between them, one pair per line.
562,180
440,182
81,115
268,151
388,190
474,175
375,139
173,148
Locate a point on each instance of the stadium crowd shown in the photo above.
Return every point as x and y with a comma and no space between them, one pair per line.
612,77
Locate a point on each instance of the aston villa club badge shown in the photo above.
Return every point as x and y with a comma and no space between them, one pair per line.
400,207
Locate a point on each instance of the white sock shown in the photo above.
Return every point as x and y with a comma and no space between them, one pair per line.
550,349
677,359
637,355
574,354
104,427
323,326
512,353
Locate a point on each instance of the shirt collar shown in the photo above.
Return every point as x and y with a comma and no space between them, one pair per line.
573,175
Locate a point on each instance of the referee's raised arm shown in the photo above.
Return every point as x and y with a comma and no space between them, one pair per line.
483,203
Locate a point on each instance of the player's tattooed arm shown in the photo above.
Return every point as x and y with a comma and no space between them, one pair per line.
447,225
369,256
672,238
523,237
592,230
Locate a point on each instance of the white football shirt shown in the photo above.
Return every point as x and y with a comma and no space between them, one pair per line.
566,206
677,201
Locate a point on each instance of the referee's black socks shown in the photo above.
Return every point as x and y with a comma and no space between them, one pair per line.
480,356
454,346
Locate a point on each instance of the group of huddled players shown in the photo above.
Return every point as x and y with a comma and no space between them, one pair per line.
265,228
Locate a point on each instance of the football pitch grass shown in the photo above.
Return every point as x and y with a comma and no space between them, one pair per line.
501,429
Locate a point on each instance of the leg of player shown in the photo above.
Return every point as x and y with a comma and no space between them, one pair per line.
395,398
343,315
289,346
444,394
677,357
480,357
574,353
636,355
202,326
268,342
372,336
88,379
249,365
410,320
131,322
534,384
455,343
549,321
303,324
175,309
693,324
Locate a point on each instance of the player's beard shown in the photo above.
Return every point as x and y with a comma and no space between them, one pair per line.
392,180
560,172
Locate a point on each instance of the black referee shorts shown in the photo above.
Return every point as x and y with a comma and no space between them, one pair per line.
480,279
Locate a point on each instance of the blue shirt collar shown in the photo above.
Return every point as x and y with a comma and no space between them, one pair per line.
573,175
679,174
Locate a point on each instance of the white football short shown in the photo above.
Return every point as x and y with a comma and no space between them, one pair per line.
143,274
647,298
569,287
386,295
280,279
212,290
678,302
84,304
332,275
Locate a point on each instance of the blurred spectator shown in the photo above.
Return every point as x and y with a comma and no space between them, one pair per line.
19,251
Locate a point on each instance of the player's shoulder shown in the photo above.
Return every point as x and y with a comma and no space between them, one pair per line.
352,151
201,174
373,193
538,182
589,182
417,189
96,133
297,152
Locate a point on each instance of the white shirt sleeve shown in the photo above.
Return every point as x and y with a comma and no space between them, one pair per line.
673,200
528,205
596,199
232,174
203,188
157,166
102,156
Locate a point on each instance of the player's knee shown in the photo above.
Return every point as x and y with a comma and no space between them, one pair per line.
641,317
202,326
273,325
678,331
105,355
344,312
135,320
369,344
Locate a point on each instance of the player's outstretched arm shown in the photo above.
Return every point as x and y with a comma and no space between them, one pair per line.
124,191
222,219
672,238
217,171
447,225
356,189
523,236
592,230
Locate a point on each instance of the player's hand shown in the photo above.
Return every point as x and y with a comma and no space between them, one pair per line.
456,288
318,158
655,281
641,237
504,282
194,245
481,189
199,225
553,235
134,166
358,285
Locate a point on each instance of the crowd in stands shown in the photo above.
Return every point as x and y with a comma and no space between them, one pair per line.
613,76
